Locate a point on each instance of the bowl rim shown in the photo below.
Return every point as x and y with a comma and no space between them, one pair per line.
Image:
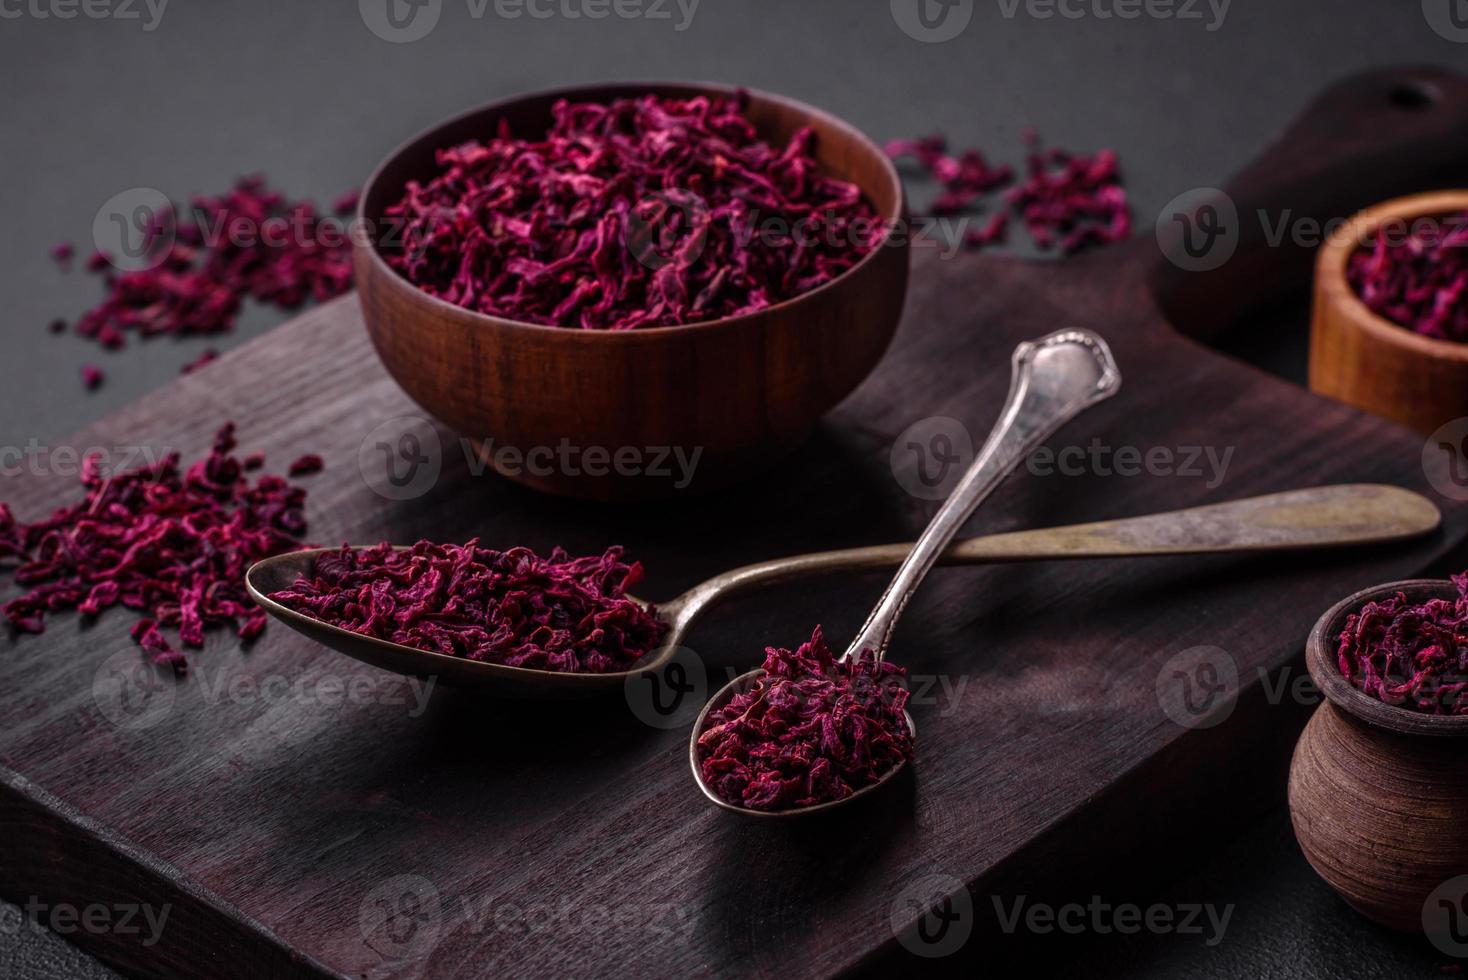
1324,671
367,245
1338,248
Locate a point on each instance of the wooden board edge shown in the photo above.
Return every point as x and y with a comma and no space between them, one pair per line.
54,858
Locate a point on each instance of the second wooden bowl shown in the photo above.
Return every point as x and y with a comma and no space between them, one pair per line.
1379,794
730,395
1365,360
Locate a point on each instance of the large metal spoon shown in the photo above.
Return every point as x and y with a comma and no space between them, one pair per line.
1052,380
1297,520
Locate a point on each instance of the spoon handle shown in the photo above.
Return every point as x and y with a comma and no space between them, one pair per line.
1318,517
1053,380
1336,516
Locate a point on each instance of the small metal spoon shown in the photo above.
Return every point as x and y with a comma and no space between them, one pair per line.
1052,380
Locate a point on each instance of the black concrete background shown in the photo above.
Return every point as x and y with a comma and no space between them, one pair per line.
305,92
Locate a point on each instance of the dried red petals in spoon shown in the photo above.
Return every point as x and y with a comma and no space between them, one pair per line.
1413,656
1418,277
810,730
172,543
637,213
512,607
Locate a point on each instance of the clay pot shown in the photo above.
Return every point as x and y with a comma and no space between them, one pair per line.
1379,794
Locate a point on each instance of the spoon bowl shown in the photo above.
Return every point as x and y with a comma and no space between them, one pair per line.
274,574
721,698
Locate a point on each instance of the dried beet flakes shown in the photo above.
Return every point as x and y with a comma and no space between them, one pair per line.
1065,200
249,242
306,465
640,212
173,544
209,356
511,607
1418,277
1411,656
964,178
811,730
1071,200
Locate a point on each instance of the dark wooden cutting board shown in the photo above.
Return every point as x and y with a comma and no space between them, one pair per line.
293,832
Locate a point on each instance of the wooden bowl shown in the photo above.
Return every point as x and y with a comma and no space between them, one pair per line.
738,391
1365,360
1379,794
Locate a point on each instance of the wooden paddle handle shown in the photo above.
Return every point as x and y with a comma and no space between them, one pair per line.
1371,137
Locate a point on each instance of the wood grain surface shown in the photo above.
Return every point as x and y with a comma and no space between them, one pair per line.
292,829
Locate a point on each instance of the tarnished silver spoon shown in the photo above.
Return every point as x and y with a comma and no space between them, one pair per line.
1052,380
1321,517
